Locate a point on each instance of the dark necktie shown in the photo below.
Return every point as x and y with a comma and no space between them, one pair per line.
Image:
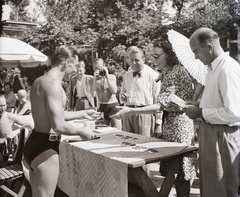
137,73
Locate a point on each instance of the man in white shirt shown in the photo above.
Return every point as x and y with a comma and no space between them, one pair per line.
140,89
81,89
219,132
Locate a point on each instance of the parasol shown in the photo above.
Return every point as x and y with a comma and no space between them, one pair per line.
181,47
14,51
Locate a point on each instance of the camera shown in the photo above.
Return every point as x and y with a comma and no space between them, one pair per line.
102,72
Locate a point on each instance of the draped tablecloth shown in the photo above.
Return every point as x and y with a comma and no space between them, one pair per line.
99,168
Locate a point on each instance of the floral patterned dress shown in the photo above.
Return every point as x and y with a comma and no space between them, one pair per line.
177,127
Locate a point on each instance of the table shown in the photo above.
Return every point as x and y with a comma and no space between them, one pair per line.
103,167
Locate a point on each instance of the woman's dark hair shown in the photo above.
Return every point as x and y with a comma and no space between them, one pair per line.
8,84
172,59
62,53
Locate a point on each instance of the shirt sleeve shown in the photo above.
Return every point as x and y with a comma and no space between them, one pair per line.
156,91
229,113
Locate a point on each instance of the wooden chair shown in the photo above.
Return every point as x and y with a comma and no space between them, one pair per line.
11,172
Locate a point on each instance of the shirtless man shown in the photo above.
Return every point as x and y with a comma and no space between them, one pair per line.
106,88
48,99
24,107
7,120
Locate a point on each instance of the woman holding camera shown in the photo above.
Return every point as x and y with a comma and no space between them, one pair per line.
106,89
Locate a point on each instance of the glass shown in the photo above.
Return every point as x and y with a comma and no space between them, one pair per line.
155,56
2,106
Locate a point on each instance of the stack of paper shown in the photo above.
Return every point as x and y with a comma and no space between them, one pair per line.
174,98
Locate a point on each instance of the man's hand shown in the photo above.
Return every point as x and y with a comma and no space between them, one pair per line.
123,112
86,133
124,97
193,112
195,103
91,114
157,131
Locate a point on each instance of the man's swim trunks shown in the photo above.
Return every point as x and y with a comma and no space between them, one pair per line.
37,143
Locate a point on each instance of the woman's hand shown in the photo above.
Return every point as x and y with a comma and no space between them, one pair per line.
123,112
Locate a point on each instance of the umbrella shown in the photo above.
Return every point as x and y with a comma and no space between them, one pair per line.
14,52
181,47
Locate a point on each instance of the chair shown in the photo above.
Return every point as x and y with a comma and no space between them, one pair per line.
11,172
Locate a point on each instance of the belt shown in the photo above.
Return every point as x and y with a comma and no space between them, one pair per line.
54,137
81,97
136,106
214,125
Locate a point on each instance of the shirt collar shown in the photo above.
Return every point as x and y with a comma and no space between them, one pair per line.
215,62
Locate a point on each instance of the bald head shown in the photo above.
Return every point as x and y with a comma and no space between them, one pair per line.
3,104
205,35
205,44
21,94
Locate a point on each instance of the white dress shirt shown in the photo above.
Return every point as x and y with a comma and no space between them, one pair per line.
142,90
221,97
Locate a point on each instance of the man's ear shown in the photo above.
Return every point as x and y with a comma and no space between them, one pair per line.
210,46
67,62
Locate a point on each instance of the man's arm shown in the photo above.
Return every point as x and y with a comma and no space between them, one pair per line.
89,114
123,97
229,88
71,95
53,97
24,108
158,116
112,83
21,120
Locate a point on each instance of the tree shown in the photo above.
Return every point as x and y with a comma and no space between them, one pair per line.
18,9
207,14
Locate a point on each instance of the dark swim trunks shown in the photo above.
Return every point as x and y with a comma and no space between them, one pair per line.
37,143
109,109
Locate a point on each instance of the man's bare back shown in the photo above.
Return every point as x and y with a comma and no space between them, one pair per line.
39,103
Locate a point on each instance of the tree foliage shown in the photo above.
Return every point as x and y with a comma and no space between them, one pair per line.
110,26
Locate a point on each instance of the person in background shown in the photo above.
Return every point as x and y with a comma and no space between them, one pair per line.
7,121
106,89
219,130
127,56
24,107
81,89
10,97
177,127
48,99
139,89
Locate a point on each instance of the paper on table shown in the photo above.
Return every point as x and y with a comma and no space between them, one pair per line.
105,129
174,98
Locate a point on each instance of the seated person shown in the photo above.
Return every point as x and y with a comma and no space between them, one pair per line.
10,98
6,127
24,107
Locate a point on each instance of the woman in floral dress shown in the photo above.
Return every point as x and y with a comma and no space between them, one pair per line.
177,127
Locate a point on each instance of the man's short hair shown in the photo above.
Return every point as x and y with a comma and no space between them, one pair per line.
80,64
63,53
96,60
8,84
137,50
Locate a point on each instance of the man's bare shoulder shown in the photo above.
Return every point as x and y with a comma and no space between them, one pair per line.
47,85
